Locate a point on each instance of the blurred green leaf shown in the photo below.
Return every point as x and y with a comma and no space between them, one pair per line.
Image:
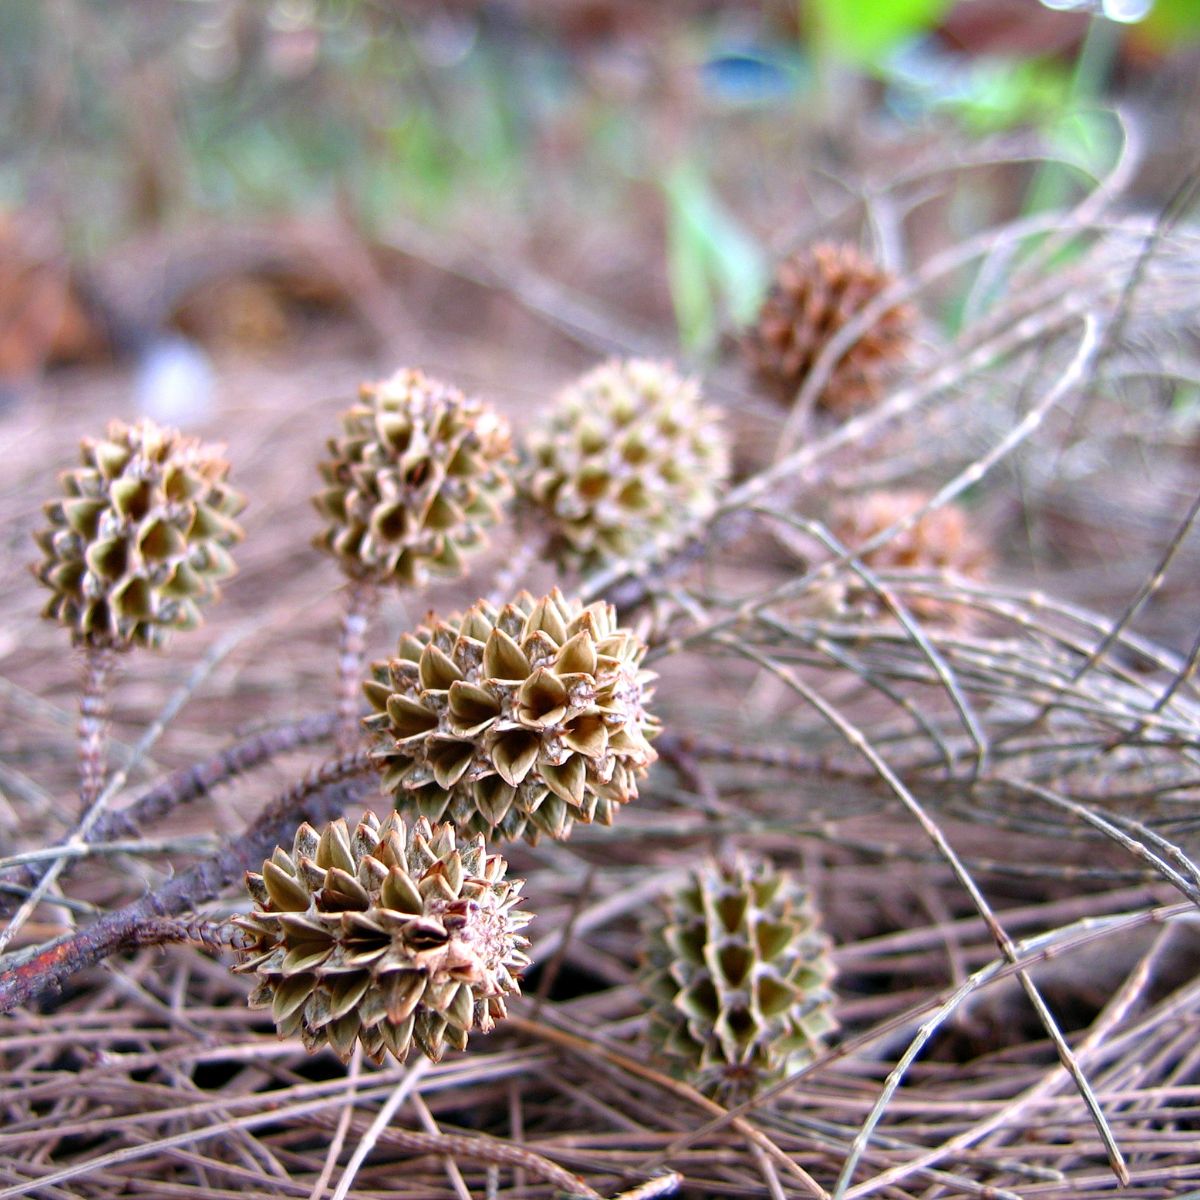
1171,22
1087,138
1087,142
1005,92
1185,402
863,31
714,267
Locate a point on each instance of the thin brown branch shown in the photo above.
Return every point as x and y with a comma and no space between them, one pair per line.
362,598
318,798
186,785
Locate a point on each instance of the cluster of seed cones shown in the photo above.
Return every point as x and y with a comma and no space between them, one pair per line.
627,456
514,722
510,721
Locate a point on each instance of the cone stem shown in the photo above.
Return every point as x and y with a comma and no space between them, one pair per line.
361,599
93,722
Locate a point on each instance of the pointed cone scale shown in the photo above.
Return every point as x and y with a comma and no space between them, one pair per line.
513,755
472,708
504,659
567,781
287,894
400,893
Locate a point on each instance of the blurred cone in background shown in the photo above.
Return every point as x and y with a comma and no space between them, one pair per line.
44,320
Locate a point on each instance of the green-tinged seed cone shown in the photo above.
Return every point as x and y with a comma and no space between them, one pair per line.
514,722
627,457
816,291
385,936
417,474
739,975
141,537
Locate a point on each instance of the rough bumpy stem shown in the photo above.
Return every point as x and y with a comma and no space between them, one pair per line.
93,721
321,796
361,599
182,787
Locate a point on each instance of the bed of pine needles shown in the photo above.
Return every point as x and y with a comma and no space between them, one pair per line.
989,784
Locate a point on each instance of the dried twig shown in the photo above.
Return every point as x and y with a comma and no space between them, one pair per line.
190,783
319,797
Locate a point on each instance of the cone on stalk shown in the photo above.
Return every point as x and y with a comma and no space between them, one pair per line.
514,721
387,935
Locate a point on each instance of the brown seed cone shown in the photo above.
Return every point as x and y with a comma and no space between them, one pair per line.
941,541
417,474
386,936
816,292
140,539
514,722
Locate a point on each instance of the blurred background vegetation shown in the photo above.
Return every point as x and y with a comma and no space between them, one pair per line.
658,155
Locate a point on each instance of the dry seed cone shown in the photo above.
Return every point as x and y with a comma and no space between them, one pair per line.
417,474
942,541
514,722
384,935
815,293
626,458
140,540
738,972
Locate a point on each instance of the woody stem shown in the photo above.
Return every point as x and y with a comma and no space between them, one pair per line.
362,596
93,721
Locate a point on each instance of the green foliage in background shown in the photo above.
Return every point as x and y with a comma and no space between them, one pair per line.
714,267
1171,23
474,121
1004,93
866,31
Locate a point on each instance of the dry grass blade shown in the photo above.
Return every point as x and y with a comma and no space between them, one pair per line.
145,744
381,1120
582,1045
